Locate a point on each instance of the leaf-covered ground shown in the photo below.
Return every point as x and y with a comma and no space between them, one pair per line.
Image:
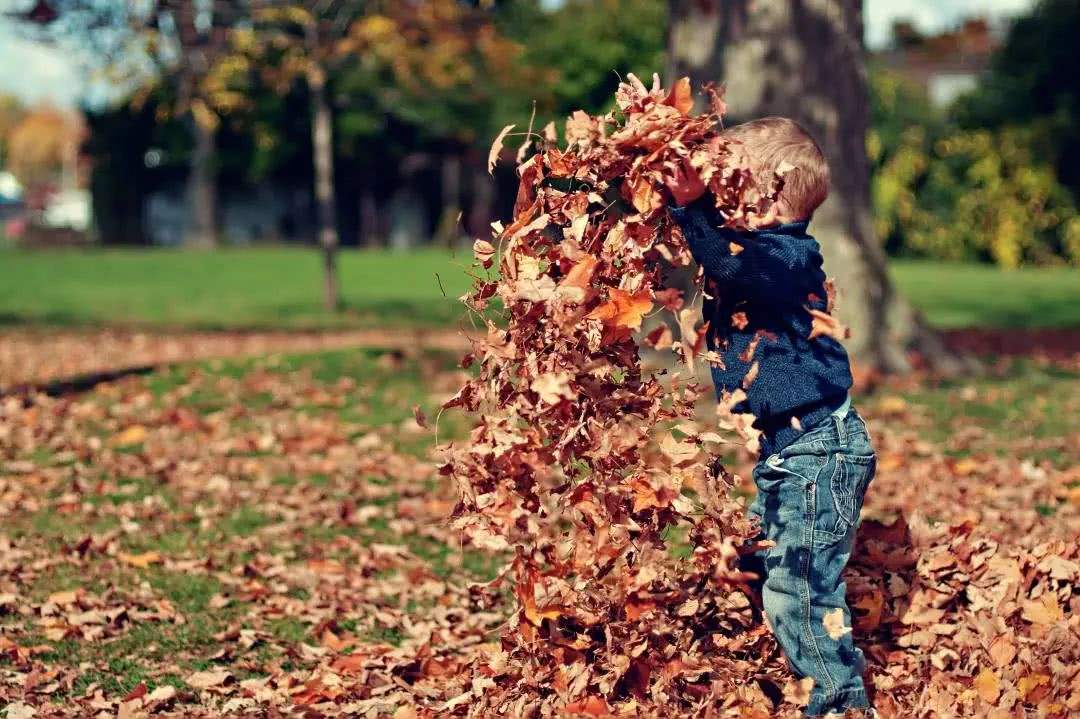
263,537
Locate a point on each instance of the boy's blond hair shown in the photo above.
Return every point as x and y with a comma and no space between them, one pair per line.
772,141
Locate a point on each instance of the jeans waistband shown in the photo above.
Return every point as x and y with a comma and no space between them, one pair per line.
843,409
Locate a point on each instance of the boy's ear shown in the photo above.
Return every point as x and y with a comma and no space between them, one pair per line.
767,220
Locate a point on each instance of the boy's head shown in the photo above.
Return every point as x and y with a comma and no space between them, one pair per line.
770,142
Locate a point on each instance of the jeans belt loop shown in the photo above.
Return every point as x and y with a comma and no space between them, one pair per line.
840,420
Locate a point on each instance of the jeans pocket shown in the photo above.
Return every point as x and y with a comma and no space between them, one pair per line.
848,485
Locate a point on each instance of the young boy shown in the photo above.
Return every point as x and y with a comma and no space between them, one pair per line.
816,458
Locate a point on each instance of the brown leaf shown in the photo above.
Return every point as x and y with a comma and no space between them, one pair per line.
496,148
483,251
826,325
209,679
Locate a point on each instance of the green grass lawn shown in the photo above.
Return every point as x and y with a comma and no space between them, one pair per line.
281,287
233,288
206,535
968,295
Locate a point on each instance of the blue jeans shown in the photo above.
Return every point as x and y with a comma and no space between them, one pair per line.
808,500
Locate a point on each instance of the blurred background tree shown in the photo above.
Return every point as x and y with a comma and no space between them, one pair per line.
992,177
367,122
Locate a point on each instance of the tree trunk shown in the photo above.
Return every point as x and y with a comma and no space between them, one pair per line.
371,234
449,228
805,59
483,202
202,185
322,143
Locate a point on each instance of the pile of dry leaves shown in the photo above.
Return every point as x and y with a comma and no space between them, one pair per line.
584,466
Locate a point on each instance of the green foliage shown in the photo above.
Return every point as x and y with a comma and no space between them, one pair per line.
965,194
590,44
1033,79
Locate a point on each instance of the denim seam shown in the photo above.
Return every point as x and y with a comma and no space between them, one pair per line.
844,514
804,583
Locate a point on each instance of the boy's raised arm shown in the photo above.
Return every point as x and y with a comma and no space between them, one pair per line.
707,246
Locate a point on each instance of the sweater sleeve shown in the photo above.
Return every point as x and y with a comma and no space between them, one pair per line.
760,270
707,246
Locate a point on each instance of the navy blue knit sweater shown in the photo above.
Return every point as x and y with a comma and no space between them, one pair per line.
773,280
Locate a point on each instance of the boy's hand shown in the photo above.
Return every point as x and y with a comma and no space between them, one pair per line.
686,185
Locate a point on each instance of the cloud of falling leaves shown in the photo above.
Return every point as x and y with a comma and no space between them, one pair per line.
583,465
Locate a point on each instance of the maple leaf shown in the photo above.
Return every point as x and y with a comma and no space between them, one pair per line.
671,298
624,309
644,196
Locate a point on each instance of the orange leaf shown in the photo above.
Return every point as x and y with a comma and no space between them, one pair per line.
1029,684
134,434
644,196
138,692
988,686
637,608
142,561
660,338
349,664
581,274
1002,650
681,96
1044,610
592,706
623,309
